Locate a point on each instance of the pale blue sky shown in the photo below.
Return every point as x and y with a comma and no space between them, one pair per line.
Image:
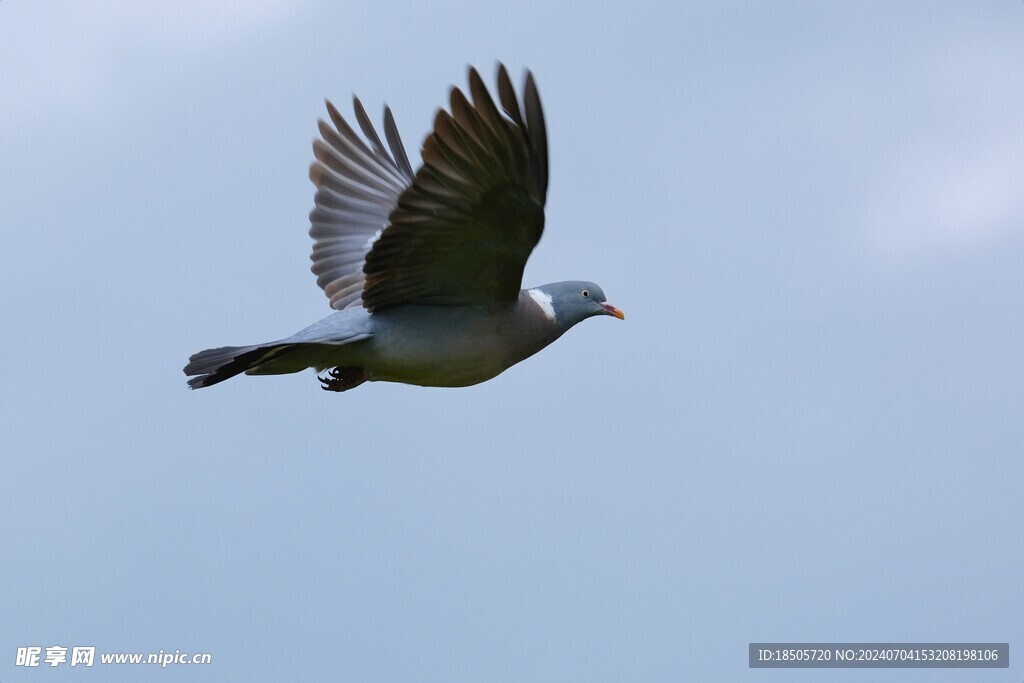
809,427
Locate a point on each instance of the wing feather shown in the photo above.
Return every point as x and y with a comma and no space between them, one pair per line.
462,231
358,185
456,232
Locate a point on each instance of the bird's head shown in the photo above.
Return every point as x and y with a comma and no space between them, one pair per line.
573,301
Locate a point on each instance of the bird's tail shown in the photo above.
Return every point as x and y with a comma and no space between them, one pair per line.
216,365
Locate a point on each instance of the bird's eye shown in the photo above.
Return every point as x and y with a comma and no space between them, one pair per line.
585,293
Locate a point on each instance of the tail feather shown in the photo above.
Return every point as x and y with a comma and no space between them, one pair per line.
213,366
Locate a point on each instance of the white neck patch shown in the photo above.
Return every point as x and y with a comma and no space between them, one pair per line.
544,301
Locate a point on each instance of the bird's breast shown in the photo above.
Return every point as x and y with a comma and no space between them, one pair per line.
451,346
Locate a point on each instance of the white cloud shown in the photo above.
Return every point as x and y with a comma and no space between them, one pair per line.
61,55
953,173
950,195
198,20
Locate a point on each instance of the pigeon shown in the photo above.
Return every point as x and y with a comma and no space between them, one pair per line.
424,269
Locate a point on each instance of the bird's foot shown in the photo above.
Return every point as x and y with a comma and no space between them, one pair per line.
343,379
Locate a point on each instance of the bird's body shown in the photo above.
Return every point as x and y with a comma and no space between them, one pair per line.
422,267
444,346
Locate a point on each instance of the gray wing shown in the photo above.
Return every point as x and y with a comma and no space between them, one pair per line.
358,185
462,232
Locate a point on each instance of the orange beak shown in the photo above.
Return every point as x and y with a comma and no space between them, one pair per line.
611,310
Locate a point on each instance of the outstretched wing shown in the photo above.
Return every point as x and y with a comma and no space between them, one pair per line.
358,185
462,231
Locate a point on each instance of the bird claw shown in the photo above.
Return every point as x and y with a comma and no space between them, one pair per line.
342,379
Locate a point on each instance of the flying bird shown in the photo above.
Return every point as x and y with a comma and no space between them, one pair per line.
424,269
